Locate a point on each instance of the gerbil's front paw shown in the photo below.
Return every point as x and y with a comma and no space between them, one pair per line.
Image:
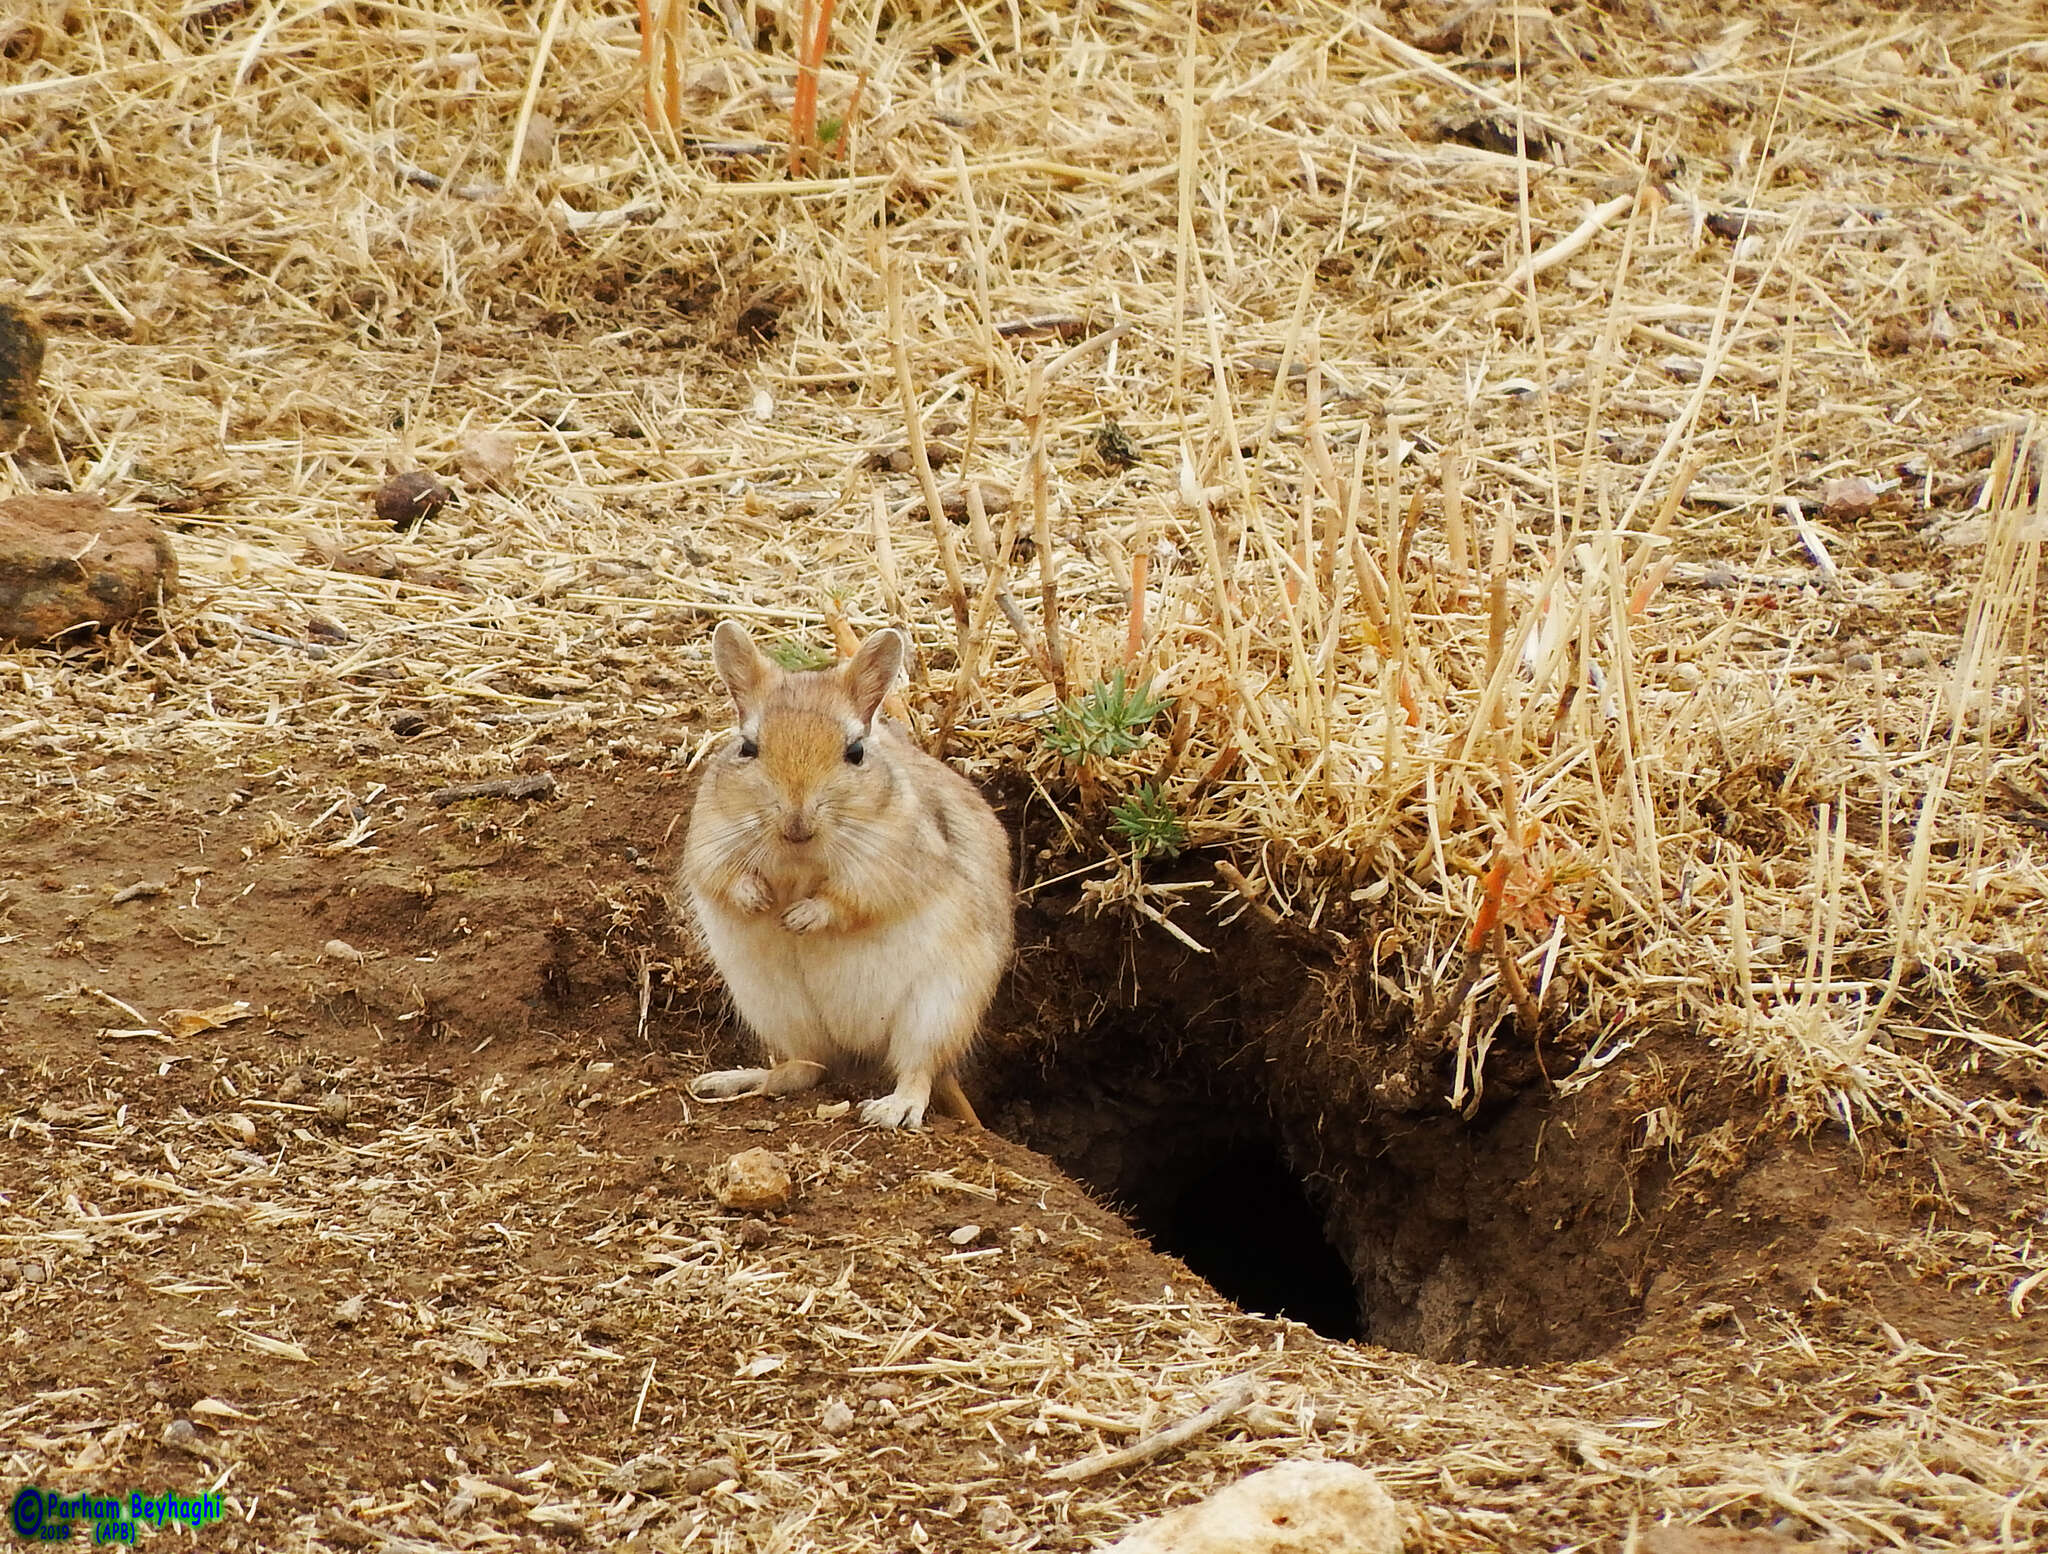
808,915
892,1111
752,894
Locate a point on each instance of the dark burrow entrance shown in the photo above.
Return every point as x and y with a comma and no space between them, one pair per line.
1244,1223
1201,1179
1319,1171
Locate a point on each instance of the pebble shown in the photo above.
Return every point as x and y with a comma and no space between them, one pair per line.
1851,496
351,1311
966,1235
836,1419
334,1107
1327,1507
708,1475
755,1180
406,500
650,1473
183,1435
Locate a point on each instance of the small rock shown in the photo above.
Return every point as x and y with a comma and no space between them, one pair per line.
183,1435
408,724
1915,658
708,1475
34,1271
539,140
1850,497
752,1234
70,562
1296,1508
648,1474
407,500
755,1180
341,949
966,1235
10,1271
21,366
24,427
334,1107
488,459
351,1311
836,1419
888,1391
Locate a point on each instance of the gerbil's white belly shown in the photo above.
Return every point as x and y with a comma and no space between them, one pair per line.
814,995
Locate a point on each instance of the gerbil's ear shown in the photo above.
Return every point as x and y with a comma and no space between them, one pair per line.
742,666
874,670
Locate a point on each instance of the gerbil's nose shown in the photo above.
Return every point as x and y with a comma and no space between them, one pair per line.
797,827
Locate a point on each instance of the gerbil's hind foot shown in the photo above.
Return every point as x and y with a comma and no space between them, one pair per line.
729,1084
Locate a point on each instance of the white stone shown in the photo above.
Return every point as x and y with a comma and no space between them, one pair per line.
1296,1508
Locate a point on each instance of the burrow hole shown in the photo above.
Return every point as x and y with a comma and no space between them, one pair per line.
1295,1191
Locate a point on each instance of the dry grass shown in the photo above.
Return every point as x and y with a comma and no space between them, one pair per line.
1484,524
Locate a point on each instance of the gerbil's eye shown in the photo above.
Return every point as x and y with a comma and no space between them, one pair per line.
855,750
748,750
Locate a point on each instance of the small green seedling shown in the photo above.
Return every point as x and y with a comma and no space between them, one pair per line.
1148,823
795,653
1107,720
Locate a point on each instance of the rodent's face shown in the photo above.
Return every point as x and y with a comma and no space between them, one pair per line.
803,765
801,769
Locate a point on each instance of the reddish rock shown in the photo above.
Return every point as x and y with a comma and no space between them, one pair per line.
69,562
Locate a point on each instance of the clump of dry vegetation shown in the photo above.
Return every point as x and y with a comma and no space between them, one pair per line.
1548,501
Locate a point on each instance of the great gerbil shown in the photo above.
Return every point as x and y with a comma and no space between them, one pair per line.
853,891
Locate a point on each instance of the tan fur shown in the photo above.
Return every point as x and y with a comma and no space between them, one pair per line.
853,909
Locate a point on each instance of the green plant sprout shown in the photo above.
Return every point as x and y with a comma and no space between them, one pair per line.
795,653
1148,823
1107,720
